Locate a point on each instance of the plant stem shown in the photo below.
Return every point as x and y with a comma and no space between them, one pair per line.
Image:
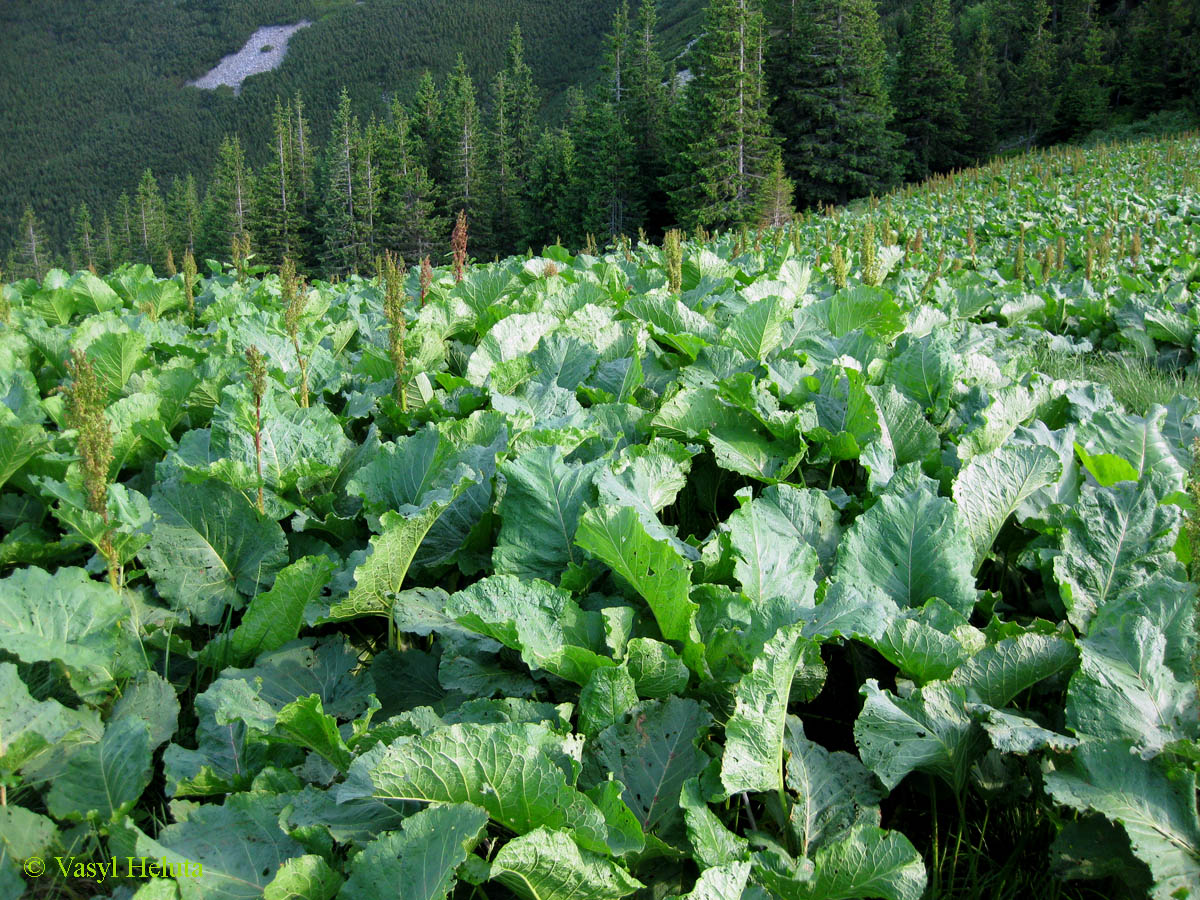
258,449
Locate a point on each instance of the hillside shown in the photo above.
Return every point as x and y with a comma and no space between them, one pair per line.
91,100
836,560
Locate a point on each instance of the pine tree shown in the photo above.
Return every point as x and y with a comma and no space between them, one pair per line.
408,219
83,244
339,216
150,221
369,190
227,203
929,111
982,95
605,186
427,128
551,180
32,248
645,112
775,202
466,186
832,108
124,235
1037,97
276,218
107,249
511,147
731,140
1084,75
183,215
304,150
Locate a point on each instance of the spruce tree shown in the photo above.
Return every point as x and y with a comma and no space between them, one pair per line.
276,217
929,109
981,102
183,215
1084,75
304,151
124,230
227,203
605,185
150,221
83,244
463,140
832,106
427,128
339,214
408,218
731,142
106,248
1036,93
776,199
511,146
645,111
32,248
369,190
552,176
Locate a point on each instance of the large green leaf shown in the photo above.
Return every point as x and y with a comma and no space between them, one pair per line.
653,754
608,695
1115,539
1158,811
712,843
1125,691
239,846
18,445
927,371
31,730
929,730
104,779
991,487
867,862
913,546
418,863
774,559
71,619
754,734
499,767
379,579
999,672
210,548
306,877
757,330
1138,440
540,513
547,864
537,619
833,791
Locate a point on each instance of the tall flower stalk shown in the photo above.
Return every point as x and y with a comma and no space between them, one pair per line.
292,288
393,310
258,385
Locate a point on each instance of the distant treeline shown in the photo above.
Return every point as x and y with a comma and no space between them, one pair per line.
789,104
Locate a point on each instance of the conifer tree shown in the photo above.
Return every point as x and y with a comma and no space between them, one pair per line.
227,203
369,189
183,214
929,108
982,92
645,112
466,185
124,230
552,176
150,221
1084,76
512,138
427,128
339,216
605,186
730,147
407,212
83,244
776,202
1036,95
32,248
276,217
832,106
106,248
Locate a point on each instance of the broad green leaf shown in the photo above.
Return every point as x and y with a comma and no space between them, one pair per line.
116,355
725,882
833,792
648,478
210,547
1115,539
420,861
239,845
540,513
31,729
850,612
999,672
24,834
652,568
606,698
1157,811
357,821
846,415
870,308
754,734
509,338
757,330
657,670
991,487
68,618
929,730
927,371
104,779
1125,691
379,579
1011,733
92,295
918,650
151,699
499,767
306,877
914,547
18,445
305,723
625,833
1138,440
537,619
866,862
273,617
653,754
712,843
1106,468
548,865
693,412
773,559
